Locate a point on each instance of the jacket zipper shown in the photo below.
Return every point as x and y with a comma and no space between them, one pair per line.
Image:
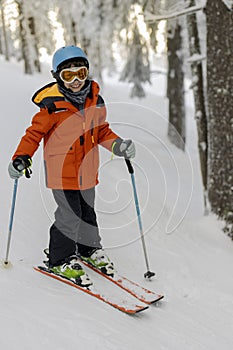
81,138
92,132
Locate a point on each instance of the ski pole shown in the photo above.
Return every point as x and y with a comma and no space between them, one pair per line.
6,261
148,274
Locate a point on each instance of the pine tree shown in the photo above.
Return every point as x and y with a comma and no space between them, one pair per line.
137,68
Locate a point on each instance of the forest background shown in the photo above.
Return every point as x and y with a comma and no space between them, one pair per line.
195,41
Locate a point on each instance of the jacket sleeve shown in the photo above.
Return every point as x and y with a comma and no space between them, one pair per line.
106,136
42,122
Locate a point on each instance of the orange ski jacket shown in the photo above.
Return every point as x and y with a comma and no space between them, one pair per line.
71,138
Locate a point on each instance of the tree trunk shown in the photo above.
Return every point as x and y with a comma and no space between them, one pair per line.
152,6
1,50
6,48
31,24
175,86
97,49
24,39
199,97
220,106
73,32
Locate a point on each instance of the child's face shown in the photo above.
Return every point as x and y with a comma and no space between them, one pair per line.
75,86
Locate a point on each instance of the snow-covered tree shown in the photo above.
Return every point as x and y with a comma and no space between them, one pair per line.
68,16
137,67
220,108
33,32
4,38
175,84
195,61
24,34
95,31
175,53
44,26
34,42
152,6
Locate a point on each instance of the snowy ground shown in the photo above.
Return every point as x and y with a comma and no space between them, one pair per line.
191,256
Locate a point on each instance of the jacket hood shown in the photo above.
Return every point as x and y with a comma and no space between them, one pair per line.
50,94
47,94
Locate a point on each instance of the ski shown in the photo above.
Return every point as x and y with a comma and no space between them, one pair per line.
126,306
143,294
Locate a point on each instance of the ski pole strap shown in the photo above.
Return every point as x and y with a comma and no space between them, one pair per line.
27,172
129,166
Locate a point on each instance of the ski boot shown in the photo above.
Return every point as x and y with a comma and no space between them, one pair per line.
71,270
100,261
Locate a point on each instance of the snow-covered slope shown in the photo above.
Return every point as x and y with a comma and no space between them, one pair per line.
191,256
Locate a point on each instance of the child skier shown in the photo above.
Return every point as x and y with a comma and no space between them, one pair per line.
72,123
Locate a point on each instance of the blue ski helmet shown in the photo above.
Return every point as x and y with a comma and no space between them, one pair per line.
67,53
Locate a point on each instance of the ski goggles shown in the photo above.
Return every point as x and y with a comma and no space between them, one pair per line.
68,75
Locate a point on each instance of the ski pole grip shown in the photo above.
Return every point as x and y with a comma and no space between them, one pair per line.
129,166
23,163
18,165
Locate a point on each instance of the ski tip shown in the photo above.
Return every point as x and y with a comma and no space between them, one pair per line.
142,309
133,311
160,297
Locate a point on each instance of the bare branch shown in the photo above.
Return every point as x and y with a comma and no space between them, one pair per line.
150,17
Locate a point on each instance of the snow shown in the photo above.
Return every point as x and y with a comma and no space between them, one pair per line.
191,256
229,4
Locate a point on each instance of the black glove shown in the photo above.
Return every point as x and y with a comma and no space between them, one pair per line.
124,148
20,164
